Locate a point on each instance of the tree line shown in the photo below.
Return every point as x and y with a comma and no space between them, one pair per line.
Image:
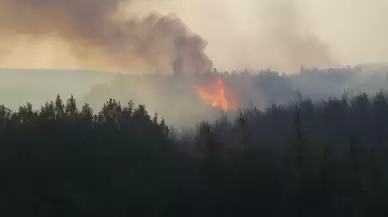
298,159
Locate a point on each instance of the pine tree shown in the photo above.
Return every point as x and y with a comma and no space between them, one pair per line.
71,109
59,108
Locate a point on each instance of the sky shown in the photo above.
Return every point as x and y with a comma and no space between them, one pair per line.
253,34
355,31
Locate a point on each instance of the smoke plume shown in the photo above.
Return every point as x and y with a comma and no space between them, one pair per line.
97,36
284,34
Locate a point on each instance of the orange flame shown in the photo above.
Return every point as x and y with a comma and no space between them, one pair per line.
214,93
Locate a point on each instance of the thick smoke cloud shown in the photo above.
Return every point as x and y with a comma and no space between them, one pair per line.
99,37
254,34
242,33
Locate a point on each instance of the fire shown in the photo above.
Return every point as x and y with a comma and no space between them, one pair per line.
214,93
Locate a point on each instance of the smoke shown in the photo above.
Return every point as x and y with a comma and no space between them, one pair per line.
278,37
291,43
255,34
283,34
97,36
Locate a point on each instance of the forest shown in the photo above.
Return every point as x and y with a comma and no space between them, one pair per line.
302,158
173,97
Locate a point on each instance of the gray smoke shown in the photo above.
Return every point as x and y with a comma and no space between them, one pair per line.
98,36
257,34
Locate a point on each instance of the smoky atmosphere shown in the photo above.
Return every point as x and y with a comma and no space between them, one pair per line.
193,108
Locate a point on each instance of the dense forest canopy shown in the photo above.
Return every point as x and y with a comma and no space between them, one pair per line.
299,159
307,144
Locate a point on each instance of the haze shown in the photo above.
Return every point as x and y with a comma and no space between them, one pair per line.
254,34
354,31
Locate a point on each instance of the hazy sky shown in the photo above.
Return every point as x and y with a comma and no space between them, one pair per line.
356,31
280,34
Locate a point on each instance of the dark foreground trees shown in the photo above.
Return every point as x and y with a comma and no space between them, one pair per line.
62,161
304,159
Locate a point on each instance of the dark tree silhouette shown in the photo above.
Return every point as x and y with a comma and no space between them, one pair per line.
300,159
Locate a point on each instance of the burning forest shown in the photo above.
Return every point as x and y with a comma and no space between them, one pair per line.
169,137
216,94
